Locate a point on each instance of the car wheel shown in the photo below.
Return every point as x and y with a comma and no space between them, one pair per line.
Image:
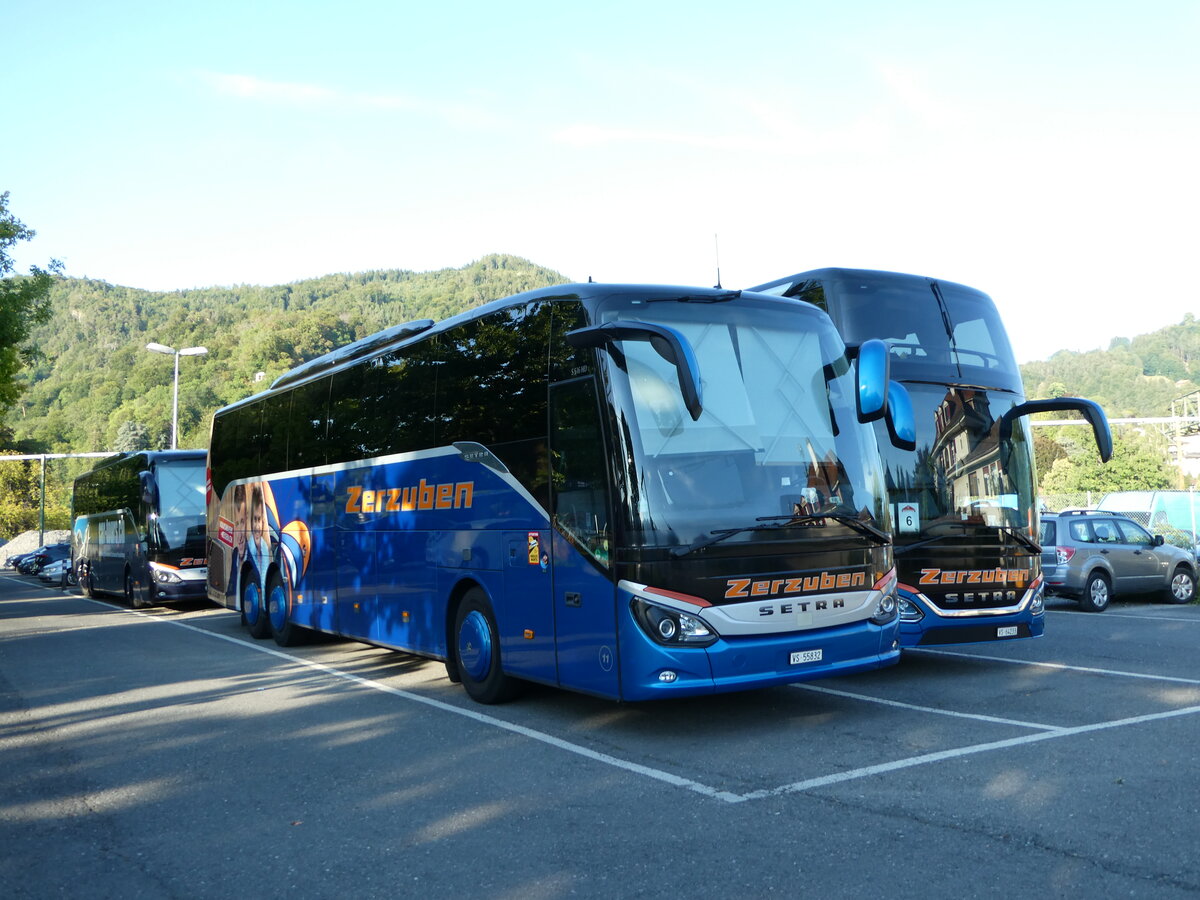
1182,588
477,651
1096,593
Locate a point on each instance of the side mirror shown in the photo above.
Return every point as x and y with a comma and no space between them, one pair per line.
874,373
901,422
1158,541
670,344
1090,410
149,488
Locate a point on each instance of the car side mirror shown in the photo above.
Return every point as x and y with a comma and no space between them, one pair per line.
1158,540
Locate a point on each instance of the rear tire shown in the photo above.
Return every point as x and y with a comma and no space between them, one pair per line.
1097,593
254,614
477,651
285,632
1182,588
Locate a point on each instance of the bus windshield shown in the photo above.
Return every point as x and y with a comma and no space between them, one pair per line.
929,325
961,480
181,511
776,438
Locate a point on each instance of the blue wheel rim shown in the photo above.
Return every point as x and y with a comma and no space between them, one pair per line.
475,645
251,607
277,607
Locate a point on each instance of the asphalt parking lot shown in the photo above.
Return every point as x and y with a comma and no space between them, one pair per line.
164,753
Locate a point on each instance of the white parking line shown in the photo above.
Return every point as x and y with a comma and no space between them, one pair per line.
867,771
1036,726
1047,732
1109,614
1060,666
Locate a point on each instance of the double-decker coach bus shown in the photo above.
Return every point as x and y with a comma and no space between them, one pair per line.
965,500
139,527
633,492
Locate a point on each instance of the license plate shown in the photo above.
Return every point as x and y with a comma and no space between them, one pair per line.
1006,631
806,656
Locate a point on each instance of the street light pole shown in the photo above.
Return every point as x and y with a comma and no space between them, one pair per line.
171,351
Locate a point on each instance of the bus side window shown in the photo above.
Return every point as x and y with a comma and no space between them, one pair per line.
578,477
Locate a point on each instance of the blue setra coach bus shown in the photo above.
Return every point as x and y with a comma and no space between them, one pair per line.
629,491
965,499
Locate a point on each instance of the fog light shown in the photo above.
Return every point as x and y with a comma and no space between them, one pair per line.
667,677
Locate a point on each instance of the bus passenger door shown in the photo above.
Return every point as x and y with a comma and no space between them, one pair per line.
583,593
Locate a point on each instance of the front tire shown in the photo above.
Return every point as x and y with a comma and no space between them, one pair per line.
477,651
1182,588
1097,593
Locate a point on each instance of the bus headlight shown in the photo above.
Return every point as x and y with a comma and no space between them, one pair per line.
909,611
1038,606
165,576
671,627
885,609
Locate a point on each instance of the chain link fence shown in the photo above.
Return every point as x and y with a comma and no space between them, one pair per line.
1069,500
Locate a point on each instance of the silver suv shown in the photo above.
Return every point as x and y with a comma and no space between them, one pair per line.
1093,554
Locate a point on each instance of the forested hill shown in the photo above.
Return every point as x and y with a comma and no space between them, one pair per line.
1133,377
98,388
96,382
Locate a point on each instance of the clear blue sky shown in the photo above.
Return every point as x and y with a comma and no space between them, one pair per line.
1045,152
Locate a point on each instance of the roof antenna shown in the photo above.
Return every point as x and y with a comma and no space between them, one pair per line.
717,256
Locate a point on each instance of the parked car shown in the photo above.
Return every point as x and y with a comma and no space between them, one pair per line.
32,563
1094,555
14,560
54,572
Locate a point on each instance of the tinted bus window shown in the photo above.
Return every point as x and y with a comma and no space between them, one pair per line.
308,425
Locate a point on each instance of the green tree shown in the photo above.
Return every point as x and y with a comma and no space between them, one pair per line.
1135,466
132,436
24,304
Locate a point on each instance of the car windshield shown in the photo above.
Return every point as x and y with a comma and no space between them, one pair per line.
180,518
778,435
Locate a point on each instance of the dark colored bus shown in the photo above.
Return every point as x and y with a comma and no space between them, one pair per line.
629,491
965,500
139,527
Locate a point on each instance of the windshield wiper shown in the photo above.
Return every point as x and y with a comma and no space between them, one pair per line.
1016,534
773,523
698,298
1021,538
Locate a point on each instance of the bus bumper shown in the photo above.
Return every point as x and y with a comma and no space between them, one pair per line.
933,628
178,586
651,671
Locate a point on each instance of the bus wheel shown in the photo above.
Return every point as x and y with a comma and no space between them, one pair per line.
1183,586
131,594
1096,593
477,651
254,617
285,632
